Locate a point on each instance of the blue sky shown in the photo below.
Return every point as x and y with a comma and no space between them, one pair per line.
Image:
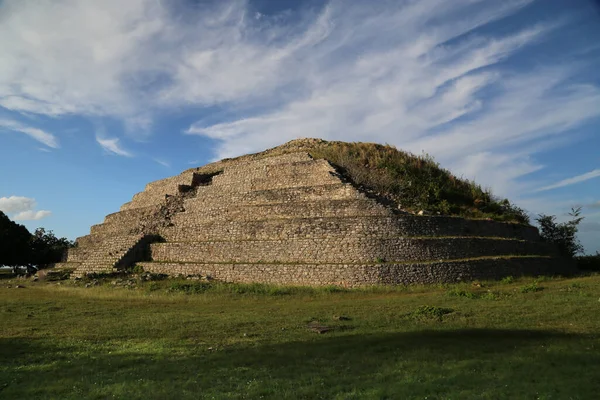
99,98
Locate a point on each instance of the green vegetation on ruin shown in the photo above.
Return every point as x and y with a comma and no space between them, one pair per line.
415,182
124,338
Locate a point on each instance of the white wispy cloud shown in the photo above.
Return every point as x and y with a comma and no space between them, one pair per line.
417,74
87,65
14,204
22,208
571,181
31,215
112,146
162,162
38,134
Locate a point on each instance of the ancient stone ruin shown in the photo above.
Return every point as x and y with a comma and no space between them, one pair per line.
283,217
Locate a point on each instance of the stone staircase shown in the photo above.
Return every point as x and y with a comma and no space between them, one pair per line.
115,253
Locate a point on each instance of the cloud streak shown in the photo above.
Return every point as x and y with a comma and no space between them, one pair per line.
38,134
423,75
571,181
31,215
112,146
22,208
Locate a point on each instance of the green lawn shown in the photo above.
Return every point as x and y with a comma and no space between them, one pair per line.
518,340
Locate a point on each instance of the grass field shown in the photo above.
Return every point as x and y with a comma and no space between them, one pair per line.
523,339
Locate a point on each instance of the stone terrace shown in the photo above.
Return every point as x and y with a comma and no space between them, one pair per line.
290,219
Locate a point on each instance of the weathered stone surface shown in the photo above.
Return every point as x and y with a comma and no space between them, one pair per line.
351,275
289,219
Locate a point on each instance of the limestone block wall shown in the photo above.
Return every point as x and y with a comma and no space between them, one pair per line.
352,275
354,250
209,195
194,227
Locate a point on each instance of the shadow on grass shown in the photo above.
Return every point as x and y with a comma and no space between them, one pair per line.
5,274
479,363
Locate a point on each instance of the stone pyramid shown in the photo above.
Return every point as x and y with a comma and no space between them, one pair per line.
283,217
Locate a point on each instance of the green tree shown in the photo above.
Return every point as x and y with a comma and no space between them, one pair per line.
563,235
46,248
15,242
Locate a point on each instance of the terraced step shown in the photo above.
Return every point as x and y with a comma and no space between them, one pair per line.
89,240
209,196
356,226
131,215
307,173
120,222
352,250
111,229
483,268
312,209
289,158
155,192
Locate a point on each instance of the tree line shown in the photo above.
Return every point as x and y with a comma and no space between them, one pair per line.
19,248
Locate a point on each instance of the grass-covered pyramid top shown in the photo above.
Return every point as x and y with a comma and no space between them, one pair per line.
400,179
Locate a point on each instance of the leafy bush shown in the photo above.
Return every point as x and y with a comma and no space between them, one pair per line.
333,289
431,312
414,182
462,293
47,249
562,235
532,287
138,269
198,287
507,280
189,288
492,295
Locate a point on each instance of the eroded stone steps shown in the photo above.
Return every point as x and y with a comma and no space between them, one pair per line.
123,221
349,249
155,192
356,226
430,272
109,255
